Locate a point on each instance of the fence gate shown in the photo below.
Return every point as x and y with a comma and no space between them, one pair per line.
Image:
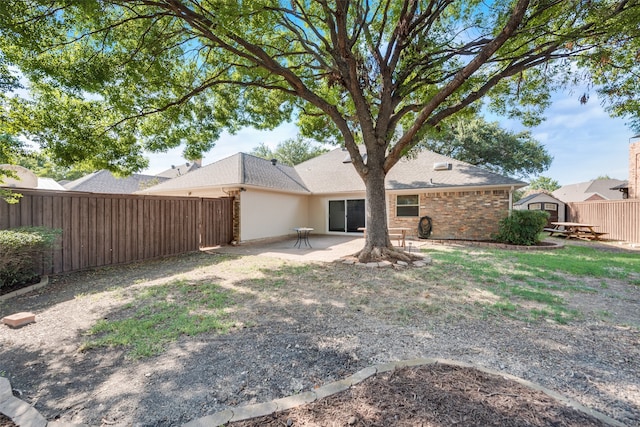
216,222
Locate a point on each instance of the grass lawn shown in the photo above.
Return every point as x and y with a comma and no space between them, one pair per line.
528,286
532,285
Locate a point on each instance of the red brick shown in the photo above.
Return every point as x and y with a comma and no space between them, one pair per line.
19,319
455,214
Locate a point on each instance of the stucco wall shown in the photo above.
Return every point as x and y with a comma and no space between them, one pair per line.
319,210
267,214
460,214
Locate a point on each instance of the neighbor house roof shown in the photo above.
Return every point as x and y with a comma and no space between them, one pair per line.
25,178
104,181
49,184
623,186
238,170
333,172
597,189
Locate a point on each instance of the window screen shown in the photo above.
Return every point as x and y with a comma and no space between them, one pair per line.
408,205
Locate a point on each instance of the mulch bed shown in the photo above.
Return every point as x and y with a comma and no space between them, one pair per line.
432,395
7,289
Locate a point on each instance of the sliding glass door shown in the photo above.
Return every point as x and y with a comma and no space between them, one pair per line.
346,215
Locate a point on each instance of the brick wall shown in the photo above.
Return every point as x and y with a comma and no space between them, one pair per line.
634,170
470,215
236,214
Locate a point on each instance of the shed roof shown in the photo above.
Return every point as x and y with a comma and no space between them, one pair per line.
535,196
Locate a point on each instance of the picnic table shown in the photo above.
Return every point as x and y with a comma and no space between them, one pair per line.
574,230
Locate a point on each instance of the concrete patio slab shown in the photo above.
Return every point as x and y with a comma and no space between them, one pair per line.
324,248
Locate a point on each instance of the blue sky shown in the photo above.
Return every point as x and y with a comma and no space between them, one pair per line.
584,141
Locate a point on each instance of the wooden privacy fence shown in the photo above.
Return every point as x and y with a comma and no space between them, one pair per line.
619,218
106,229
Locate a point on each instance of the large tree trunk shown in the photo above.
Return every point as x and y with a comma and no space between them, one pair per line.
378,247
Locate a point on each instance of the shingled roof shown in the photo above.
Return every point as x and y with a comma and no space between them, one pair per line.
238,170
333,172
104,181
597,189
180,170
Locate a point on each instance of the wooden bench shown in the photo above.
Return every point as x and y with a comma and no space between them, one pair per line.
399,233
580,234
553,231
400,237
590,235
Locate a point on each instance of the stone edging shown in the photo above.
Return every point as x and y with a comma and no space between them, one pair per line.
422,262
44,281
20,412
263,409
24,414
495,245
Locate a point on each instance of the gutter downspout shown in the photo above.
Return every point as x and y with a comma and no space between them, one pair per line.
511,199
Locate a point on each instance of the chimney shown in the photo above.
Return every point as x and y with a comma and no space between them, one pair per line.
634,167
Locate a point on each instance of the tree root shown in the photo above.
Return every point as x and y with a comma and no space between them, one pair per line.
382,253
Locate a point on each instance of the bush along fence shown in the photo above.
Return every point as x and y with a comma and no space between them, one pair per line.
522,227
24,253
106,229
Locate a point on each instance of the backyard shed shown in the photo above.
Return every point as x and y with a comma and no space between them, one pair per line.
543,202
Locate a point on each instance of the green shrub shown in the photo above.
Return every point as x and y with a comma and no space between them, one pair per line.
23,253
522,227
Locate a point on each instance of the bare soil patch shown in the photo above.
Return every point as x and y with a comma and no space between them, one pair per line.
299,326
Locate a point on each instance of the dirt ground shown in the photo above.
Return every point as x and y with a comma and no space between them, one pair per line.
302,325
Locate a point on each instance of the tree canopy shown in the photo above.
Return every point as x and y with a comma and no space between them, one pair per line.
10,148
112,78
290,152
544,183
480,143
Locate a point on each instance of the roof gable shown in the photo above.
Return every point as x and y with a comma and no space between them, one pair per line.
179,170
586,190
237,170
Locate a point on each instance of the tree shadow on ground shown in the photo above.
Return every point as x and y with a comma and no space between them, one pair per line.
298,328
